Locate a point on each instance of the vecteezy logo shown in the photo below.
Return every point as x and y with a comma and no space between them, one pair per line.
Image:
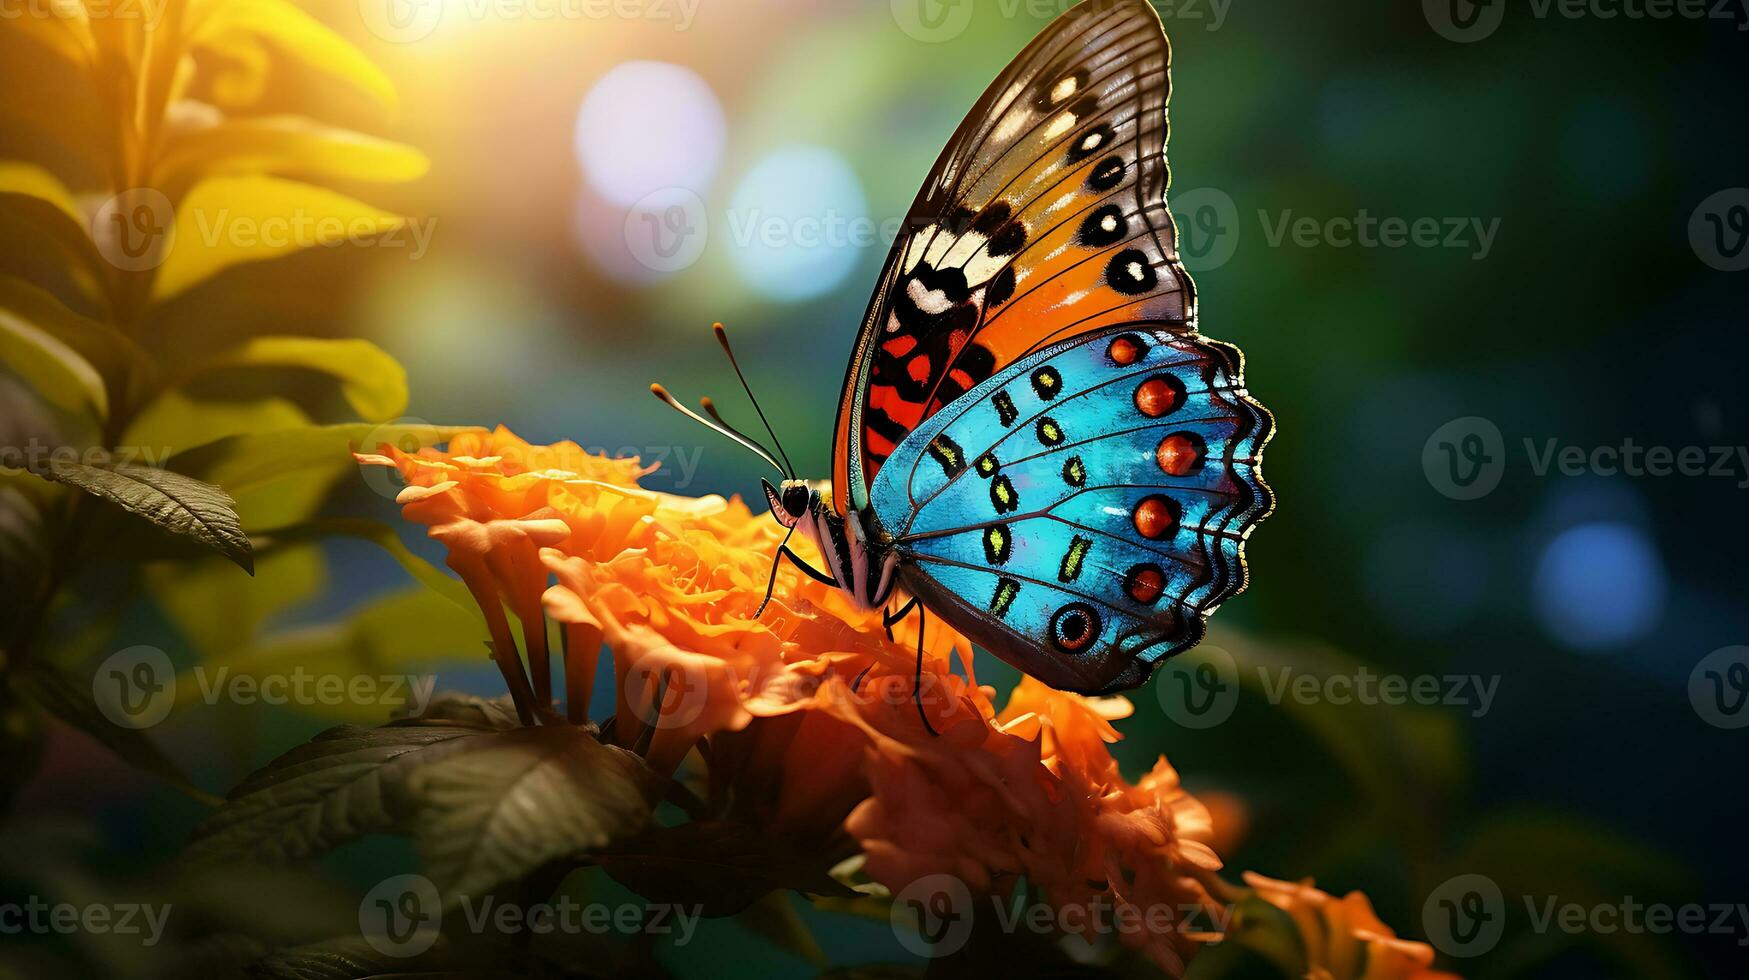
665,230
401,21
1718,230
1718,688
932,21
1200,687
1464,458
1465,916
667,695
135,687
401,916
1208,228
932,916
1464,21
135,230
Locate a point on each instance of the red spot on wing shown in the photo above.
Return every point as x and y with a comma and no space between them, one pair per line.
901,345
877,445
918,368
1178,454
1155,397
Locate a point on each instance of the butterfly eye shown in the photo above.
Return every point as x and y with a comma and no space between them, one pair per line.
795,500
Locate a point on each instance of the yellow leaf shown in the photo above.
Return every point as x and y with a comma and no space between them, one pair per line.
191,592
54,370
18,177
375,384
293,32
43,234
238,76
63,26
113,353
285,145
226,221
176,422
262,457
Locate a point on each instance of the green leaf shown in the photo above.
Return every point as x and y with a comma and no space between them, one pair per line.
522,799
352,958
243,461
346,782
188,592
469,711
56,371
389,635
177,422
1266,931
720,865
375,384
172,501
293,146
226,221
70,700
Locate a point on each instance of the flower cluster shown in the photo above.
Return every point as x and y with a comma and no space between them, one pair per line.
817,724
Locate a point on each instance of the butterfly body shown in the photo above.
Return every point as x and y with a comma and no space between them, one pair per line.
1033,440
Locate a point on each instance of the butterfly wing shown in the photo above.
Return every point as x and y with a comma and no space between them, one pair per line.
1081,512
1045,217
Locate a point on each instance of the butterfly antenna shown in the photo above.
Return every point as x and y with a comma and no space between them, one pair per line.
723,338
662,394
710,408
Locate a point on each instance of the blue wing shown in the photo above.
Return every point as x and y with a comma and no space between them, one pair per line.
1080,513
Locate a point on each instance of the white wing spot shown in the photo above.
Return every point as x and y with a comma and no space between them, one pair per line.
931,301
1010,126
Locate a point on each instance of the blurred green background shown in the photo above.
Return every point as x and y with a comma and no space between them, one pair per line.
597,194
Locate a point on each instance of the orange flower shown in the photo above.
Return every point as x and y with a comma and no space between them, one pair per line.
668,583
494,501
1343,938
811,718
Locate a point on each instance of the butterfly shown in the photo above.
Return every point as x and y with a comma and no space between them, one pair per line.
1033,440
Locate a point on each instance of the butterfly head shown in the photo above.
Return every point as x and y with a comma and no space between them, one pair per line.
790,501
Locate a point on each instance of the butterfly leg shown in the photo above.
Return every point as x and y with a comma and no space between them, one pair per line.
889,618
783,551
887,621
917,677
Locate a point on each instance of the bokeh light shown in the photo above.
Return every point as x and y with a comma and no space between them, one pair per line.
797,223
1600,586
647,126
